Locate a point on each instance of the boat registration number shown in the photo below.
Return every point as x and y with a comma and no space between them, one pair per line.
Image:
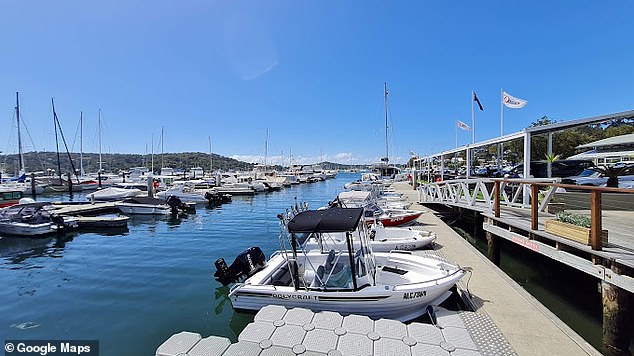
414,295
405,247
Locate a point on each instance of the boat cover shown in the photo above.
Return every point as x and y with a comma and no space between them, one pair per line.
144,200
354,195
334,219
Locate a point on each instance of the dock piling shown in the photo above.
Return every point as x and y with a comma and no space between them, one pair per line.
493,245
617,314
33,184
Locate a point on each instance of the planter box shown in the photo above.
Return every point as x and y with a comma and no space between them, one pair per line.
573,232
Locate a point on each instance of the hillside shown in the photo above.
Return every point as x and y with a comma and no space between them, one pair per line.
41,161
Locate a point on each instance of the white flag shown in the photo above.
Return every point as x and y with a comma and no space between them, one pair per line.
512,102
462,125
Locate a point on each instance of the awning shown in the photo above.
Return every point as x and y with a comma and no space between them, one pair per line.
326,220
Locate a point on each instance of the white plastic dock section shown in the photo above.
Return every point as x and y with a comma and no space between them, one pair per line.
280,331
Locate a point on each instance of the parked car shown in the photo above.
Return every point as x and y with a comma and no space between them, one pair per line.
591,177
560,169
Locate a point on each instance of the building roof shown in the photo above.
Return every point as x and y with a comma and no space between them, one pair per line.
627,139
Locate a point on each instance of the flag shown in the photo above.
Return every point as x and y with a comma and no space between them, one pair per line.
475,98
462,125
512,102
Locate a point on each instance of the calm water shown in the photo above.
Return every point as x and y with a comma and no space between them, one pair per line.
133,290
570,294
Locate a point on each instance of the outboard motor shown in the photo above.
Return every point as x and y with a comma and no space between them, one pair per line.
246,264
174,202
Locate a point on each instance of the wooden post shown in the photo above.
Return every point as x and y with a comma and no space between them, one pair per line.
534,206
595,220
99,177
617,324
150,186
496,198
493,246
70,183
33,184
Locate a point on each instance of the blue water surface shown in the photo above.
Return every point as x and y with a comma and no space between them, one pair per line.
132,290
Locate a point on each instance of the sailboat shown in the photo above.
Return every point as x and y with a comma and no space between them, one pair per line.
21,183
383,169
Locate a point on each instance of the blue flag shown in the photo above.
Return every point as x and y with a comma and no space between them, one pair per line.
475,98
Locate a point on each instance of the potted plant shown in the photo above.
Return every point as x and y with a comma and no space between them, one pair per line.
573,227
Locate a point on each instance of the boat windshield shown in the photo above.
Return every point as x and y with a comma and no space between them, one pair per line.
344,265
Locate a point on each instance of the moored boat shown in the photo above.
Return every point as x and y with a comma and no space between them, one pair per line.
395,285
33,220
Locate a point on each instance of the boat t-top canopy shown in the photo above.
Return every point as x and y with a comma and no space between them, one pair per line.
327,220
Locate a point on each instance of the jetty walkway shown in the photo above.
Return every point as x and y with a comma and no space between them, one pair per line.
528,326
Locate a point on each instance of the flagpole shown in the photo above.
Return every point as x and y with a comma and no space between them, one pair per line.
472,118
456,135
501,145
501,112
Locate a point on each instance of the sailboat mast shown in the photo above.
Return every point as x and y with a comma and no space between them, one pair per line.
387,156
266,148
17,114
81,143
162,151
211,157
152,167
99,129
59,166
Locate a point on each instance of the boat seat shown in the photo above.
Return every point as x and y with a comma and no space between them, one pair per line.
281,277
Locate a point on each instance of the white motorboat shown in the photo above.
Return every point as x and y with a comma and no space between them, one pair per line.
144,206
394,285
112,193
33,220
382,239
184,192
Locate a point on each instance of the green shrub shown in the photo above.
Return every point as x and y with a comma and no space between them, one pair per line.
574,219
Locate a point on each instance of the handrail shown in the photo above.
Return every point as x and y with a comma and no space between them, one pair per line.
460,191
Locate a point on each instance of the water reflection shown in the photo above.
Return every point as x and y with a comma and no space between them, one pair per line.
18,249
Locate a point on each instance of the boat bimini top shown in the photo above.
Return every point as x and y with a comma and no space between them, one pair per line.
327,220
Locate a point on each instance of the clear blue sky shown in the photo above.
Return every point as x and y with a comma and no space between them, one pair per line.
310,72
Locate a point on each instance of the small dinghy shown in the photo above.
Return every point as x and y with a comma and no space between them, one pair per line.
33,220
394,285
382,239
390,217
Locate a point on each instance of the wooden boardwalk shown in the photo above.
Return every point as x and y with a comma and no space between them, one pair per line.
496,295
612,262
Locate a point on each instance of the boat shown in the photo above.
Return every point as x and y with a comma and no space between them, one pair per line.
9,196
33,220
382,239
390,216
113,193
185,192
394,285
144,206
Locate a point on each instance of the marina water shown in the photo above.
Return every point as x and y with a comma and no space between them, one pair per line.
132,290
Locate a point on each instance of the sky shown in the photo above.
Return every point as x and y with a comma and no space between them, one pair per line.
310,72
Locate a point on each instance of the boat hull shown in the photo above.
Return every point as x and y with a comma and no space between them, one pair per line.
403,302
140,209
